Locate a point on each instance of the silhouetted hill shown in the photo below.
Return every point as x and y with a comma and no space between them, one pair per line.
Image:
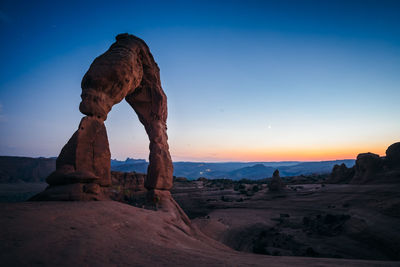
115,163
137,167
24,169
240,170
257,171
193,170
316,167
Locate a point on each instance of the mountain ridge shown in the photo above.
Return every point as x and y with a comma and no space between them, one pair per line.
24,169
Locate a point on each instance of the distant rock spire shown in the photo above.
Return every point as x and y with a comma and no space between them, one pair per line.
276,184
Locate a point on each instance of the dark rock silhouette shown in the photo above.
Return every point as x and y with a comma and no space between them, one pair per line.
126,70
393,156
341,174
276,184
370,168
24,169
368,165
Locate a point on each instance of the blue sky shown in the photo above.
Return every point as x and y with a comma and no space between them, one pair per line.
245,80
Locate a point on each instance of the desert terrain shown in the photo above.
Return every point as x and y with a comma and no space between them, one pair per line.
314,220
233,223
109,233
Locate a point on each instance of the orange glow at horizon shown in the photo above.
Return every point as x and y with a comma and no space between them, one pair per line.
303,154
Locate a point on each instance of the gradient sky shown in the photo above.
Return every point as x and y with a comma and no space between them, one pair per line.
245,80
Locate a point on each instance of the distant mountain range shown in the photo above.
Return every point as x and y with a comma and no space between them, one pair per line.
236,170
23,169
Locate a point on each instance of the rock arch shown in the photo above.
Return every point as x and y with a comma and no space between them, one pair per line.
127,70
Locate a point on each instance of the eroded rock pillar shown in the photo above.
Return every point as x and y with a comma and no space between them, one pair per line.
86,156
83,166
160,169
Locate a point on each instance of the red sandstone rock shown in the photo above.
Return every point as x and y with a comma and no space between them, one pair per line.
132,181
113,75
72,192
86,157
128,187
162,200
126,70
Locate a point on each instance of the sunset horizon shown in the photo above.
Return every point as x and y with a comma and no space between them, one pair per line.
262,156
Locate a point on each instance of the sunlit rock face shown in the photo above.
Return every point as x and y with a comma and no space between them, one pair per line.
126,70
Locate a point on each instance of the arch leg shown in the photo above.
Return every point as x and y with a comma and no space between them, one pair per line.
153,114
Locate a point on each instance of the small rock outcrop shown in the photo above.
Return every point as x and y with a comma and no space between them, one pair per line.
132,181
127,70
276,184
341,174
128,187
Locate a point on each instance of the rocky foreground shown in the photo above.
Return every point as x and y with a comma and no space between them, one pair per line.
110,233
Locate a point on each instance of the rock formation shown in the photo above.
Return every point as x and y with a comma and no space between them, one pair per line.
370,168
276,184
128,187
341,174
368,165
393,156
126,70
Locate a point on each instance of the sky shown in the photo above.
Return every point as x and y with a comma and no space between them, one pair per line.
245,80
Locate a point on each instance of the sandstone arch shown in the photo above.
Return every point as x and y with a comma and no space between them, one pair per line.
127,70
